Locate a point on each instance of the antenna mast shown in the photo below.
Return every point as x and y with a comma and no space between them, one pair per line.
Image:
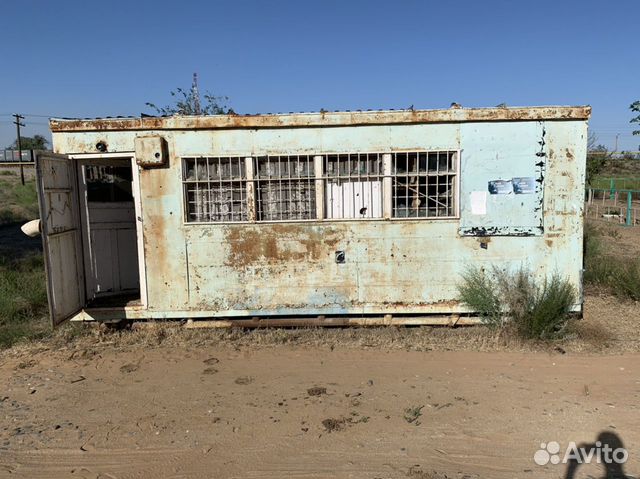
196,95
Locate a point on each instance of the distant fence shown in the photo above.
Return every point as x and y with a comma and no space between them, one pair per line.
613,214
612,196
615,184
616,155
13,156
621,206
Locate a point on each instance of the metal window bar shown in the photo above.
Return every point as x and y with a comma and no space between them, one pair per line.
353,186
215,189
285,188
424,184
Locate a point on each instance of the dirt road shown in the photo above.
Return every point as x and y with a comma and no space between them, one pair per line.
308,412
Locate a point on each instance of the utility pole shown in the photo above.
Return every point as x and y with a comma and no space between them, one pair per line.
616,148
18,125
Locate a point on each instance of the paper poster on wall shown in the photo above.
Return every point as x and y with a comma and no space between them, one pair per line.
500,187
478,202
524,185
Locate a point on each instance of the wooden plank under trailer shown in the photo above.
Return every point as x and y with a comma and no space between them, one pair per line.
322,321
316,321
114,316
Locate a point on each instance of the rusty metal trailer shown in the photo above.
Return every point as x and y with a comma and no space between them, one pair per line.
363,217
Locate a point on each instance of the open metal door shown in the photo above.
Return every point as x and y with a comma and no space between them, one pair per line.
61,235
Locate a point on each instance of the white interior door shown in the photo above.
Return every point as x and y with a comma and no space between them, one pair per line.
61,237
109,228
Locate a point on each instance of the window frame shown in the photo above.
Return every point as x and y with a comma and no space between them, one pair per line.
309,181
368,176
319,160
243,180
455,172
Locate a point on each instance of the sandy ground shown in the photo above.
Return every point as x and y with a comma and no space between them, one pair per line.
421,403
314,404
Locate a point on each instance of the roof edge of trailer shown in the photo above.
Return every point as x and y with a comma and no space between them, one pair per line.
322,119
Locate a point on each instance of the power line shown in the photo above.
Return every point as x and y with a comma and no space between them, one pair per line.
30,123
29,114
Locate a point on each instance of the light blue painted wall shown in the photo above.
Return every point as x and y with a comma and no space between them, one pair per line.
392,266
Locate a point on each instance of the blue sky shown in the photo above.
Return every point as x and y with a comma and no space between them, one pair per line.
87,58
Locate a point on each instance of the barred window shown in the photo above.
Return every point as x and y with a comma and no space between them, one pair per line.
215,189
354,185
424,184
421,184
285,188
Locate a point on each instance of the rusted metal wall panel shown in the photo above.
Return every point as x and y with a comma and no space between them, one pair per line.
564,200
498,153
326,118
164,243
410,266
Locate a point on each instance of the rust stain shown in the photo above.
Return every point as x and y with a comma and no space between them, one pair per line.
445,303
271,244
569,154
451,303
154,231
324,118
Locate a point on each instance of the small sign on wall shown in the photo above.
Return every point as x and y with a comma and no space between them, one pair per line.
500,187
478,202
524,185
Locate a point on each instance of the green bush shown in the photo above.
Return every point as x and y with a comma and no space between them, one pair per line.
627,280
550,309
514,299
479,291
595,268
620,276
